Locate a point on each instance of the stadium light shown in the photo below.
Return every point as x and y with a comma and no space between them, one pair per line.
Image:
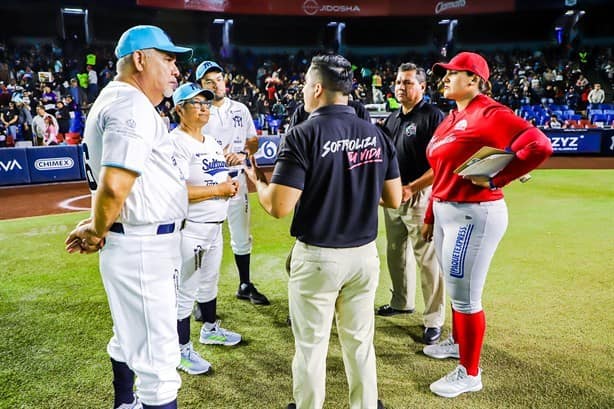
69,10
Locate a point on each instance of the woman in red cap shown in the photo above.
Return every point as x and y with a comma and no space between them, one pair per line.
467,216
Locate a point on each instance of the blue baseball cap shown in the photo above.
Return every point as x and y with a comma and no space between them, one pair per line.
144,37
206,66
188,91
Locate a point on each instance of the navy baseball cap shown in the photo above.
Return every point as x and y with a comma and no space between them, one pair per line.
144,37
188,91
206,66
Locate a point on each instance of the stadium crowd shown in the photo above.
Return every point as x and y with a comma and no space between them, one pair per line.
45,95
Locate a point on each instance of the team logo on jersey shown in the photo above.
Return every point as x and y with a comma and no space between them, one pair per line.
214,166
461,125
131,123
434,144
237,121
410,129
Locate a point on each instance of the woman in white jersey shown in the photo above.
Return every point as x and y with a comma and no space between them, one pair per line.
202,163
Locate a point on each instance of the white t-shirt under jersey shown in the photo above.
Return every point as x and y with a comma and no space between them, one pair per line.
124,130
204,165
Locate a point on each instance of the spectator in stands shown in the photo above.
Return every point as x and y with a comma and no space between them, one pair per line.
39,125
92,83
10,119
77,93
553,122
50,132
62,115
25,117
48,98
572,98
548,95
597,95
107,74
581,83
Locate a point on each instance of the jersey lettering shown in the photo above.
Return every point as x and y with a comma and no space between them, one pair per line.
457,264
237,121
89,174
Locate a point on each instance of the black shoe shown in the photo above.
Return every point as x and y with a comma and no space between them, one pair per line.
388,311
431,335
289,321
291,406
247,291
198,316
380,404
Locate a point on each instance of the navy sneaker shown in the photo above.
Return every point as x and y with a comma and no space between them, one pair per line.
247,291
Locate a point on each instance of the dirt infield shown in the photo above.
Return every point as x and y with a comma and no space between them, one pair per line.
38,200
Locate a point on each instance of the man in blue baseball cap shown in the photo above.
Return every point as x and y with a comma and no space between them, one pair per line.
145,37
231,125
139,202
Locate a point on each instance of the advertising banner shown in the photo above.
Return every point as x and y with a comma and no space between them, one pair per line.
54,163
580,141
14,166
338,8
267,150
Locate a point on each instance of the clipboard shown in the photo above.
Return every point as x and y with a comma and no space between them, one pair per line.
487,161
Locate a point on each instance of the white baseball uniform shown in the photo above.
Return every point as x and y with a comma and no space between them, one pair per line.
141,257
231,124
201,243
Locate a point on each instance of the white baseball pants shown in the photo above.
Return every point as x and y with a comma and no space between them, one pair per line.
139,275
239,219
466,236
201,252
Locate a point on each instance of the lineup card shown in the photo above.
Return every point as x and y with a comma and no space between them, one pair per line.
487,161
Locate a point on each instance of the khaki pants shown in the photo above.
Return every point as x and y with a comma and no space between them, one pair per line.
327,282
408,253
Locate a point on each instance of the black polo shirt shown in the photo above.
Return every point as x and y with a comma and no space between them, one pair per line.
340,162
410,134
301,115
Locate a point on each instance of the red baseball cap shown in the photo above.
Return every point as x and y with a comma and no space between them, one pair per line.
466,61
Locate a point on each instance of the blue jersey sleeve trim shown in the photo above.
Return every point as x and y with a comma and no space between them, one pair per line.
120,166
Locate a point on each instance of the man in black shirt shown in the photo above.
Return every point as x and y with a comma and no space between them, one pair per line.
332,170
411,129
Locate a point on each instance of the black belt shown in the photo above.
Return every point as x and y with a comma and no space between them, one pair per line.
161,229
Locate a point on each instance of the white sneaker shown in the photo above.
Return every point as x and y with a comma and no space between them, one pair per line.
445,349
191,361
216,335
136,404
457,382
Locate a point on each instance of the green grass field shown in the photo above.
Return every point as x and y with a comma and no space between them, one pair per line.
548,302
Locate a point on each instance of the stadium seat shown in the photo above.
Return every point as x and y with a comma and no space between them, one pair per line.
575,117
572,123
594,112
585,123
599,119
